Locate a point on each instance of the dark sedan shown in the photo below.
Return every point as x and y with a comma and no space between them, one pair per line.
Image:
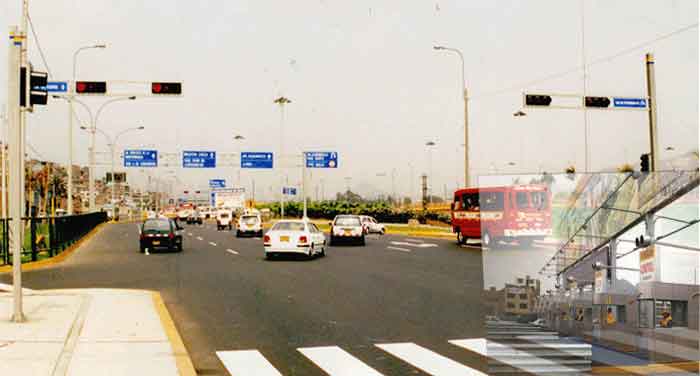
160,233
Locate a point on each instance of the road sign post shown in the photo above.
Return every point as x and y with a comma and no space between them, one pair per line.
316,159
217,183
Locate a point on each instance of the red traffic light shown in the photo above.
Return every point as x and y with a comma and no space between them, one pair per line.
91,87
600,102
173,88
537,100
186,192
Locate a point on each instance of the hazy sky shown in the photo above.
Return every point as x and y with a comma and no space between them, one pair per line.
365,81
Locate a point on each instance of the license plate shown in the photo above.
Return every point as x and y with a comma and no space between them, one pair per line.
156,242
347,232
284,238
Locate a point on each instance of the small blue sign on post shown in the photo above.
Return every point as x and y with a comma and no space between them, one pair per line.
630,102
252,159
289,191
212,199
140,158
321,159
57,86
198,159
217,183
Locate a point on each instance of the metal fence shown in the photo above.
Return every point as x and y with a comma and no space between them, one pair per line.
46,237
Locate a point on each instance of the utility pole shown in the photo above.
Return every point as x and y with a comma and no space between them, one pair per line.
651,93
16,156
2,161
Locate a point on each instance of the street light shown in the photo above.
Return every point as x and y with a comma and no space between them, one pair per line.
70,126
281,101
112,143
240,138
466,113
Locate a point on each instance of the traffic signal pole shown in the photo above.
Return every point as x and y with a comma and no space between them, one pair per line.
651,93
16,171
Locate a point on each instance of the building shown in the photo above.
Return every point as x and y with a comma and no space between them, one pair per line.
520,297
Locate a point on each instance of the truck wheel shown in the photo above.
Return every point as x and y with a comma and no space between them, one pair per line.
460,238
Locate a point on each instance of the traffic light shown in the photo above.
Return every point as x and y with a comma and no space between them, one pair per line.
37,87
644,162
91,87
172,88
537,100
599,102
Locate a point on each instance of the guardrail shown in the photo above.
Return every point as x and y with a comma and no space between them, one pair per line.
46,237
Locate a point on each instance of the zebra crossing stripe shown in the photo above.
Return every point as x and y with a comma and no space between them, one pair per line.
337,362
247,363
477,345
428,361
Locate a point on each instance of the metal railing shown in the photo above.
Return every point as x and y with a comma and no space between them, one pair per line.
45,237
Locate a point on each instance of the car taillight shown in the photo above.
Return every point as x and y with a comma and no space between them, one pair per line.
171,235
303,239
143,236
266,239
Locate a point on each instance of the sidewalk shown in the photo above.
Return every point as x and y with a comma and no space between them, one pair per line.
90,332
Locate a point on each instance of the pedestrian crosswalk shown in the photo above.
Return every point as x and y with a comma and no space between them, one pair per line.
335,361
510,349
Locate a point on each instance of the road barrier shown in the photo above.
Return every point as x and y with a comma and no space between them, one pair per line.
46,237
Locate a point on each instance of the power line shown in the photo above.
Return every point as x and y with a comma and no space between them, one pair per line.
41,52
581,67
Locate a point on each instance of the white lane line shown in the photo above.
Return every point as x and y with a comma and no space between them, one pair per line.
189,234
337,362
428,361
212,243
247,363
413,240
199,238
419,245
146,250
399,249
231,251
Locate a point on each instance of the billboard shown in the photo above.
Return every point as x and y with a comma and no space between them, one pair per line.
229,198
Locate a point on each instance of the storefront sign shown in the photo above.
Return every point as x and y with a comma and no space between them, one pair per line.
647,264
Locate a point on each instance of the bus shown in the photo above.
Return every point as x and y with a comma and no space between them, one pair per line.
519,213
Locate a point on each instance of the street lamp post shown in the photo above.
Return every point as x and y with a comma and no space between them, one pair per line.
466,113
430,144
70,126
281,101
112,143
239,138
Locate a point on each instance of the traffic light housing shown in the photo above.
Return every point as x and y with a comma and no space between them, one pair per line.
537,100
166,88
644,165
38,95
91,87
597,102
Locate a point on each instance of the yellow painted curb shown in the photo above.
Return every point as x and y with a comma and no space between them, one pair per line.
59,257
651,369
184,364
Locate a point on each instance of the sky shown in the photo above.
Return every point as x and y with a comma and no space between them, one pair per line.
365,81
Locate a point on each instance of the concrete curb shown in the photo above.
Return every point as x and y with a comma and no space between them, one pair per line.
59,257
651,369
183,361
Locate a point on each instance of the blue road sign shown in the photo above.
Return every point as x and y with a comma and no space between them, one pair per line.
217,183
140,158
253,159
321,159
289,191
57,86
198,159
212,199
630,102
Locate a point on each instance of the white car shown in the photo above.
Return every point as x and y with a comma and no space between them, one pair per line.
249,224
539,322
224,219
183,214
372,226
294,236
151,214
347,227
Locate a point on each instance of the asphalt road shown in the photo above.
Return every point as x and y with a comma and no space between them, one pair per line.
224,296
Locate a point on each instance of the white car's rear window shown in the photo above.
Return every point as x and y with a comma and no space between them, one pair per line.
288,226
347,221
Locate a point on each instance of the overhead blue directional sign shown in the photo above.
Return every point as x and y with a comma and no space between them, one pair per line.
140,158
321,159
630,102
57,86
217,183
253,159
289,191
198,159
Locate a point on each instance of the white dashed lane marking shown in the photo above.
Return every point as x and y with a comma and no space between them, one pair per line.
231,251
399,249
199,238
212,244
